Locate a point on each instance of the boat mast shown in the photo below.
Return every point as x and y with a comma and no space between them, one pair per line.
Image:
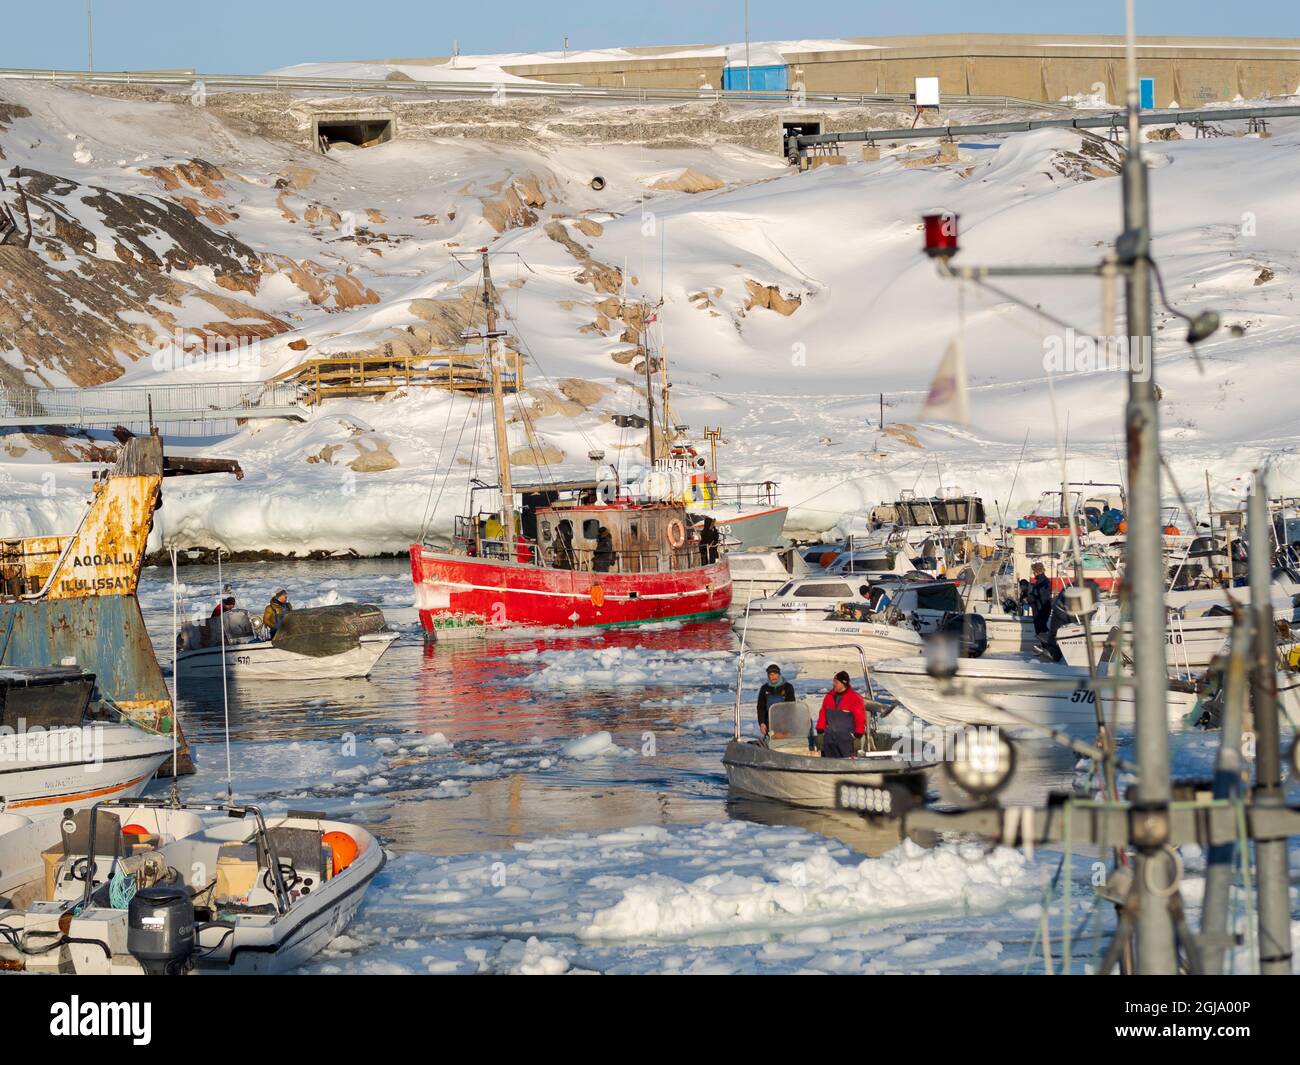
491,334
649,381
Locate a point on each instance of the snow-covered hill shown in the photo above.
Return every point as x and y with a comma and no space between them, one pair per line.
791,303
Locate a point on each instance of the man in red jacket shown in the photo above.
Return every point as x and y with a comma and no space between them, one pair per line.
843,717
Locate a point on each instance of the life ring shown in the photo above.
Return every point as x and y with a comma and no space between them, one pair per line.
597,595
676,533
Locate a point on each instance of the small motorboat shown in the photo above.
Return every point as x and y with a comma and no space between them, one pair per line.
1013,693
758,574
61,747
893,623
1192,640
785,765
316,643
160,888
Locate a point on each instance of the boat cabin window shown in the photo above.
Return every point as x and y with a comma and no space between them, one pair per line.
939,597
546,532
591,529
838,590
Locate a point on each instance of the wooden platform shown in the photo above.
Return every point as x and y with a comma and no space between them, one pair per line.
339,376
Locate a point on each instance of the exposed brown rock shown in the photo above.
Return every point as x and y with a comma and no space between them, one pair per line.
602,277
769,296
325,454
514,208
85,323
137,222
324,287
298,178
584,393
689,180
374,459
1265,276
197,174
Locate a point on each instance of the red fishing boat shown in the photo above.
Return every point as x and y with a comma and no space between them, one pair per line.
567,554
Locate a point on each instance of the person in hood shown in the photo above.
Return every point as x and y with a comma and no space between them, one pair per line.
843,718
276,609
1040,599
776,690
709,540
603,559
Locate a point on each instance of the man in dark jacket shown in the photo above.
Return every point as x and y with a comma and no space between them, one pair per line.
1040,599
842,720
709,540
602,561
776,690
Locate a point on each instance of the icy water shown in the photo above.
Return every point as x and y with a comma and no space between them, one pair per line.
555,803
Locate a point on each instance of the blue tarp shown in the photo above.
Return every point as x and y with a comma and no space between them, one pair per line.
769,79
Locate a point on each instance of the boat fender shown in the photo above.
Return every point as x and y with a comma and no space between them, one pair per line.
597,595
676,533
343,848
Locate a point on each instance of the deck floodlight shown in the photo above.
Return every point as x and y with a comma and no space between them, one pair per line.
891,799
940,234
982,763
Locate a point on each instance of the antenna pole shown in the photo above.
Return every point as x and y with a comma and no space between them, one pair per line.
1270,854
1144,560
499,414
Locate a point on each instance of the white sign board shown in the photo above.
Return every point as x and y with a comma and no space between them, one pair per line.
927,92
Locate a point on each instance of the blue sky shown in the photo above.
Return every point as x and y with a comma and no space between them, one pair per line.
248,36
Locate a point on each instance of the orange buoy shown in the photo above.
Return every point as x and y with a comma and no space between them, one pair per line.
344,849
597,595
136,830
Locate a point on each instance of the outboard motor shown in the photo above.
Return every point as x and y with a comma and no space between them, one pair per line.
160,929
972,631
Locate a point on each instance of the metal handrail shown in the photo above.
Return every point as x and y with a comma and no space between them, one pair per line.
189,79
165,402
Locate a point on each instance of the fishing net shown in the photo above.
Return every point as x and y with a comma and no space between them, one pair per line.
327,630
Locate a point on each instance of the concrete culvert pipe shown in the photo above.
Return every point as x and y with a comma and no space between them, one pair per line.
598,183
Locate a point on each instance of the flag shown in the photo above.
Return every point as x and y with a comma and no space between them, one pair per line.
947,400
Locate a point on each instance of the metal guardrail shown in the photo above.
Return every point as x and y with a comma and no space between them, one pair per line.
1100,120
496,90
125,404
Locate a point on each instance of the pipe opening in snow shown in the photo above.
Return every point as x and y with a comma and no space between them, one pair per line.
351,130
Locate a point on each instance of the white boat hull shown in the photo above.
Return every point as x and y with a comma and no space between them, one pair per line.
262,660
786,634
1014,686
802,779
77,767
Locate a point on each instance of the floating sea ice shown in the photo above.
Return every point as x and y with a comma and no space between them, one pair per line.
533,958
906,878
596,745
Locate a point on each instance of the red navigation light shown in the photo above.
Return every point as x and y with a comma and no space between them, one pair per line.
940,234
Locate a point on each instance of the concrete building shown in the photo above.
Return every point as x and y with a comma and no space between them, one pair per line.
1044,67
